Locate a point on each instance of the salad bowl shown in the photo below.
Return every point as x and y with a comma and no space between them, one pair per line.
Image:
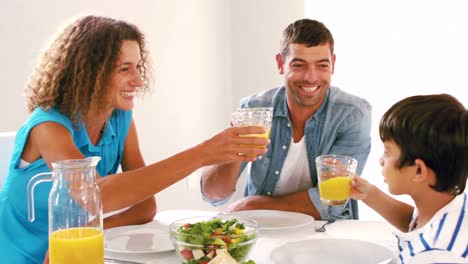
198,240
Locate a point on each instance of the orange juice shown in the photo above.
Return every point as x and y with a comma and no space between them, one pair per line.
266,135
77,245
335,191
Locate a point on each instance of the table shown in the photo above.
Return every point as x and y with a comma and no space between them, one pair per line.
378,232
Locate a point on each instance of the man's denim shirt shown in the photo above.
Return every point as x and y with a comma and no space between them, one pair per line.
340,126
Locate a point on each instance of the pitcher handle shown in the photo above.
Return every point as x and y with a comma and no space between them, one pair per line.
36,179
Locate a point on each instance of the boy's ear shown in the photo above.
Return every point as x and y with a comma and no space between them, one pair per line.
421,171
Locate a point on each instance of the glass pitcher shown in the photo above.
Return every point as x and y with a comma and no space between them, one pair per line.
75,211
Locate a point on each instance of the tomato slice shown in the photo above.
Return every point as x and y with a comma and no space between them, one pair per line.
187,254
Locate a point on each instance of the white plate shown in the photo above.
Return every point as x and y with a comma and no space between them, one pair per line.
273,220
148,238
332,251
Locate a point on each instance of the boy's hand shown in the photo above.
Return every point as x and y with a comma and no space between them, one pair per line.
360,188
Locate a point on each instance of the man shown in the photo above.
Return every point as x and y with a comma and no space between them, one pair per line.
310,118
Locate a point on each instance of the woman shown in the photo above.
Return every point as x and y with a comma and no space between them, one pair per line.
81,97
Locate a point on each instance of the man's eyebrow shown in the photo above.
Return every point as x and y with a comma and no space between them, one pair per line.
318,61
323,60
297,60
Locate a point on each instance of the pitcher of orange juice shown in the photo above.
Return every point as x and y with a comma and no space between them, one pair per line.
75,211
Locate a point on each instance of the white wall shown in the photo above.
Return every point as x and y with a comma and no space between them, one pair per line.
389,50
257,30
190,47
208,54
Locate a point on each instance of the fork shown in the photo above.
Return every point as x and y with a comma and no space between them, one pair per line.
322,228
111,260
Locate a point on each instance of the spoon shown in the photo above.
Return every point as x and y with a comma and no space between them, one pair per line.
322,228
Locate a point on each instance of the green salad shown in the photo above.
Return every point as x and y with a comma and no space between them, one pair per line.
200,242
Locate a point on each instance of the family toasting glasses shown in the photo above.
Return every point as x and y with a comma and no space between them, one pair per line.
81,96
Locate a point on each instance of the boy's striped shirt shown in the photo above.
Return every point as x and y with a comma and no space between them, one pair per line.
443,240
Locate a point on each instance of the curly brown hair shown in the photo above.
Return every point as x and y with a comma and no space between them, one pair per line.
73,73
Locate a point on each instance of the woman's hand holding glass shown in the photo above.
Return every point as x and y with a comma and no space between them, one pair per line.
232,145
256,116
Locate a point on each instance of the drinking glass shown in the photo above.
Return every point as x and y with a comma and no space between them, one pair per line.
256,116
334,175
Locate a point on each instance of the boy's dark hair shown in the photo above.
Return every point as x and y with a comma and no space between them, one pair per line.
432,128
306,31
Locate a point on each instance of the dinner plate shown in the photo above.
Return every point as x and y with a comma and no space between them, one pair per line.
147,238
332,251
273,219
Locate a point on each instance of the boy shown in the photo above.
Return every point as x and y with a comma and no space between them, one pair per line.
425,156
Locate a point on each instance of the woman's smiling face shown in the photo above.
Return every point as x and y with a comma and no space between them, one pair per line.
126,78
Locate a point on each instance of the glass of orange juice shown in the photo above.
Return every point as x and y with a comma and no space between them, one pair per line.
254,116
334,175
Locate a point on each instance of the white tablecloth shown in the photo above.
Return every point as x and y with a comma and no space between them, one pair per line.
373,231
